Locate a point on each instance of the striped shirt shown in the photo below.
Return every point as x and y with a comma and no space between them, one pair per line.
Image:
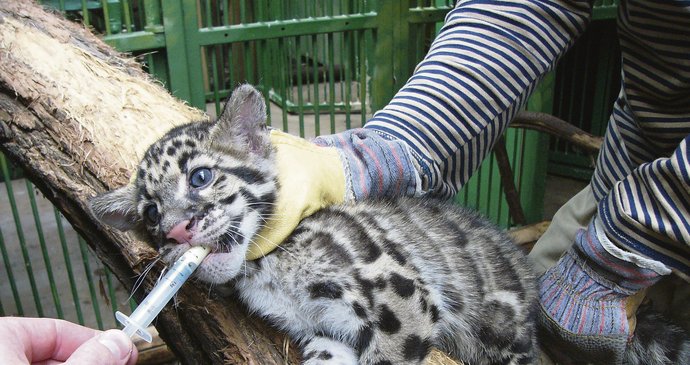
486,61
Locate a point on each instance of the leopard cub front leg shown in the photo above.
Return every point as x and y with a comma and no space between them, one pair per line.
325,351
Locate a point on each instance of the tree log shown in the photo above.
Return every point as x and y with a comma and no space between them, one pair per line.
77,116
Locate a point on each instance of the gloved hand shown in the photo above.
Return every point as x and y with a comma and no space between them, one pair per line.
588,300
310,177
350,165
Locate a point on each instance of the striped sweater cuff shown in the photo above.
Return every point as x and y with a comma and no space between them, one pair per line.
613,267
374,166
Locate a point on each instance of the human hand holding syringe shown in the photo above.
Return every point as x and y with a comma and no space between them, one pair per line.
161,294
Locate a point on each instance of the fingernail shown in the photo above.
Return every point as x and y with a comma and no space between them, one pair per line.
117,342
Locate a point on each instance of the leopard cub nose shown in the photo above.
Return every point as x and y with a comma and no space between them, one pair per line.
181,232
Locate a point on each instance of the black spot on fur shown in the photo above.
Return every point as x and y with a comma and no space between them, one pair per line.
156,158
366,287
388,322
458,234
384,362
300,230
415,348
325,355
183,159
501,331
521,346
358,234
373,251
177,143
166,166
171,151
141,174
392,250
380,282
190,143
264,203
326,289
359,310
434,313
268,197
332,250
371,222
228,199
246,174
363,339
402,286
309,355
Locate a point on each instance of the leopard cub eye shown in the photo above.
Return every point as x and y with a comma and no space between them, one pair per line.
151,214
200,177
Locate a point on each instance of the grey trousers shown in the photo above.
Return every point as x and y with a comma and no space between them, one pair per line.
572,216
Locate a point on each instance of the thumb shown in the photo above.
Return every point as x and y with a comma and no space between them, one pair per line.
111,347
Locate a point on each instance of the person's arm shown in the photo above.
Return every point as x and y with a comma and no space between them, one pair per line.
432,136
480,70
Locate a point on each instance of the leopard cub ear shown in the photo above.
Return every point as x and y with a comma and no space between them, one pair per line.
116,208
242,124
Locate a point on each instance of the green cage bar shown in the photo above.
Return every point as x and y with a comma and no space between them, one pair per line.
10,276
20,236
90,280
68,267
44,250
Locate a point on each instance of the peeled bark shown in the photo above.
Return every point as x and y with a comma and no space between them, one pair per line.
76,116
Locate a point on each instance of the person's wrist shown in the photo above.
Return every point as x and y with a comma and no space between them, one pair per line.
623,271
374,166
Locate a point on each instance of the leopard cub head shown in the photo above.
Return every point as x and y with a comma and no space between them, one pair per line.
202,184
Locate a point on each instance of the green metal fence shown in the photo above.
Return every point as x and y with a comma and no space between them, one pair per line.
50,271
323,66
587,83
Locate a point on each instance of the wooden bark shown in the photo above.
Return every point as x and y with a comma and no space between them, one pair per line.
76,116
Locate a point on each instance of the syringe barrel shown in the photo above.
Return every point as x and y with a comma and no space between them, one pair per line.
168,286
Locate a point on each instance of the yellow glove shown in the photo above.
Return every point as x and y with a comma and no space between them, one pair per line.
311,177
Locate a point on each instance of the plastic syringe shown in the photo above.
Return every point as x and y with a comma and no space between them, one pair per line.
161,294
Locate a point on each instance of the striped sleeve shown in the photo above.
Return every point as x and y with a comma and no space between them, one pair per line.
642,179
478,73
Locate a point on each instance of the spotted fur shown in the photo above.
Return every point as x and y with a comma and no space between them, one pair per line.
376,282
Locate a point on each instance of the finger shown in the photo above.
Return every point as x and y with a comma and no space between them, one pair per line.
39,339
112,347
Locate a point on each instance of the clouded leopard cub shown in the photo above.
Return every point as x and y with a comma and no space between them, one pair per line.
375,282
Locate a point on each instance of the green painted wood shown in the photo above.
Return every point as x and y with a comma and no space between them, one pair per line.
282,29
136,41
